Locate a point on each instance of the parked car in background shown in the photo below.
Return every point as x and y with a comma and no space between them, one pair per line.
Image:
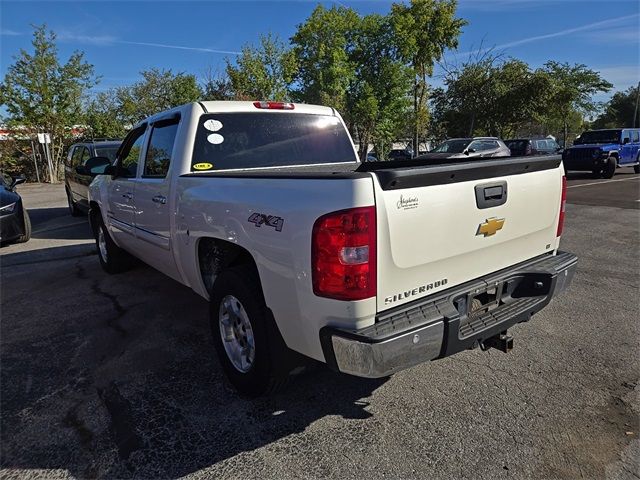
398,154
602,151
77,176
371,158
477,147
15,225
521,147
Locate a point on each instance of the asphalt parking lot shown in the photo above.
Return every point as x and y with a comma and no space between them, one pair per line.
114,376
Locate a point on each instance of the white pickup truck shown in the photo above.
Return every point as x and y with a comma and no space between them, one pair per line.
264,209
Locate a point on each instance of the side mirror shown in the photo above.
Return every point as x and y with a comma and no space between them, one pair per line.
470,150
95,166
625,140
18,180
111,170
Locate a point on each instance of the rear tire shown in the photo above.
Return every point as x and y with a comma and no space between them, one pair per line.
610,169
73,208
252,353
27,228
112,258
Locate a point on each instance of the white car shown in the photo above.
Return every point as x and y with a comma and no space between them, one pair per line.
477,147
263,209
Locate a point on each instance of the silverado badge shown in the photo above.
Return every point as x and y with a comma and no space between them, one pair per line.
490,227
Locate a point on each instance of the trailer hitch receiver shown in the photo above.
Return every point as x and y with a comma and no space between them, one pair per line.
503,342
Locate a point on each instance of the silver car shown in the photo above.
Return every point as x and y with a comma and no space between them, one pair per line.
477,147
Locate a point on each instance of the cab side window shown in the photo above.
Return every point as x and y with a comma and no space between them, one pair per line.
130,153
158,158
635,136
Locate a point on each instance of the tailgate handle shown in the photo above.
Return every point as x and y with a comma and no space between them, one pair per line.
491,194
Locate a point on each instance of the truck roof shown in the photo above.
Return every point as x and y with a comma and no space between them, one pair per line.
227,106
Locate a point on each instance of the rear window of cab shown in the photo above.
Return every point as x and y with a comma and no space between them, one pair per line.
229,141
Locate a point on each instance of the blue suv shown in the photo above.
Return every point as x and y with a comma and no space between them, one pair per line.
602,151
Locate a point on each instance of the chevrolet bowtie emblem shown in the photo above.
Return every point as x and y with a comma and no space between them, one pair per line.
490,227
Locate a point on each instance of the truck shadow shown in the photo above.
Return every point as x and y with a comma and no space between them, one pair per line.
115,377
58,224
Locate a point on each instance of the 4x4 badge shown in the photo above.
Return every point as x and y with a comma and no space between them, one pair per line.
490,227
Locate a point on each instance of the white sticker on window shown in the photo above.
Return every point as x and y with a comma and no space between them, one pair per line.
213,125
215,138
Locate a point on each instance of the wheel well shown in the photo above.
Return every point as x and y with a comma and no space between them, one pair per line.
215,255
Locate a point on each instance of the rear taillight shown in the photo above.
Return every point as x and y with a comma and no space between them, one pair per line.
563,202
343,254
274,105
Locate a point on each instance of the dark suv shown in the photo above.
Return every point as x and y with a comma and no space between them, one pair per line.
602,151
77,176
532,146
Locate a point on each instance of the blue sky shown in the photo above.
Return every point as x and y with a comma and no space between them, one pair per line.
121,38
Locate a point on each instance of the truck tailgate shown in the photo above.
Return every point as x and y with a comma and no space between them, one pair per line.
443,225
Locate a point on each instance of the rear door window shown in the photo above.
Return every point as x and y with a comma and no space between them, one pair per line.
76,159
269,139
635,136
86,155
158,158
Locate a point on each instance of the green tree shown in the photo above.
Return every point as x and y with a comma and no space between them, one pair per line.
263,73
572,90
157,91
424,29
41,94
377,98
103,116
323,47
619,111
216,86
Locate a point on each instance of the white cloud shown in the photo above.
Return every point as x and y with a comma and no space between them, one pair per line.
109,41
622,76
562,33
9,33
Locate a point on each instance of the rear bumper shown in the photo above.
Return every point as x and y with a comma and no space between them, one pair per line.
440,325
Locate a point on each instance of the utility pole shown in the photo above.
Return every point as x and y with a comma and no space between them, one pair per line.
635,112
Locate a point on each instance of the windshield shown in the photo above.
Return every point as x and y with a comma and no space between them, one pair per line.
109,152
452,146
252,140
598,136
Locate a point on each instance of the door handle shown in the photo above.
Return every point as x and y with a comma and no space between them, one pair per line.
128,195
159,199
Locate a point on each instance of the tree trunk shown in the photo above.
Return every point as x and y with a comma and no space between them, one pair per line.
566,132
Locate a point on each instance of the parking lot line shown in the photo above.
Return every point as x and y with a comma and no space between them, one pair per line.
601,183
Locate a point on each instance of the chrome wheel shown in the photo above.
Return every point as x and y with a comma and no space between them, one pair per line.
102,245
236,333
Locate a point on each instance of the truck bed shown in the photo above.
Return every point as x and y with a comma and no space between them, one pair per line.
399,174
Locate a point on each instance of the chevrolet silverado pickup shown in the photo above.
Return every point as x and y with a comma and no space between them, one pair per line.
263,209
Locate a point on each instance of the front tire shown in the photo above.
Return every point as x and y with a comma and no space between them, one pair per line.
27,228
73,207
610,168
249,347
112,258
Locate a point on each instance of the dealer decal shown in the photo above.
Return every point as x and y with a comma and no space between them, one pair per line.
203,166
